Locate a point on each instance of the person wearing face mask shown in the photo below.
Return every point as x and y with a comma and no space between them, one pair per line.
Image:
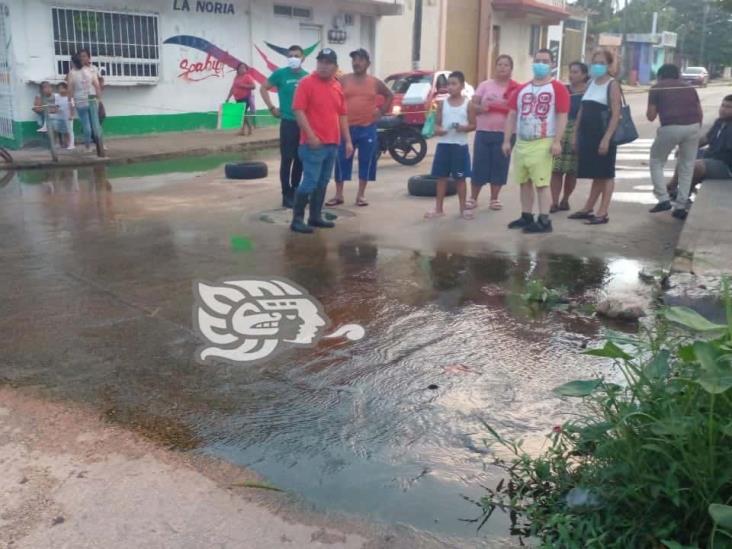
597,121
538,116
286,80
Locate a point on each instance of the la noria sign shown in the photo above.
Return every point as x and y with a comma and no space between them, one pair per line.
204,6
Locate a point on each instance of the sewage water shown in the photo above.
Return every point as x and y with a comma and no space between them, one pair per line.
97,308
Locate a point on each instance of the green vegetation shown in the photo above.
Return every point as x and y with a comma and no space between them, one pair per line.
649,463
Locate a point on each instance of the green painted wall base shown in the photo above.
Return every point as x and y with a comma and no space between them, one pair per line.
26,133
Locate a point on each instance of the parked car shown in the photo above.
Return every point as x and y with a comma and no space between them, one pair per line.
696,76
414,111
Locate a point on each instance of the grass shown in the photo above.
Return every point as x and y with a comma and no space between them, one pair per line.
649,463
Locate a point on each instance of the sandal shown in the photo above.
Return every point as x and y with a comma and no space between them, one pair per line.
581,215
496,205
554,209
361,202
334,202
467,215
432,214
598,220
471,204
564,206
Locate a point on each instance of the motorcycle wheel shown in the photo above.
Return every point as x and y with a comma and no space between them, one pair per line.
409,147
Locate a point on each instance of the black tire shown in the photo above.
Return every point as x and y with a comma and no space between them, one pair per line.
409,147
426,185
246,170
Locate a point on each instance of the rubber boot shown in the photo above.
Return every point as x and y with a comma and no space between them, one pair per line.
317,198
287,199
298,214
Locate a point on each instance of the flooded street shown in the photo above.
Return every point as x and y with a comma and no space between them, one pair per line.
97,277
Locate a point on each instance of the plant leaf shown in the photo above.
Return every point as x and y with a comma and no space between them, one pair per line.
721,515
658,368
671,544
716,376
610,350
689,318
577,388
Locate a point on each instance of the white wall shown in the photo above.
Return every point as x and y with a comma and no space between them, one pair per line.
253,23
515,40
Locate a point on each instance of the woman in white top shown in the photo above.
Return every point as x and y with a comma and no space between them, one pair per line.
86,92
597,121
455,118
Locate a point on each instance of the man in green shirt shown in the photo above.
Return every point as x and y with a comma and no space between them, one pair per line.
286,80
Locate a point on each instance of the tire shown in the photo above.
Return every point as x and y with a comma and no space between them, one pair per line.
246,170
426,185
409,147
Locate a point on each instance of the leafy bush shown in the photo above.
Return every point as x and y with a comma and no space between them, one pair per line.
650,463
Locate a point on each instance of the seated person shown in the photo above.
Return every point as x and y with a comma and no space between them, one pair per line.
715,155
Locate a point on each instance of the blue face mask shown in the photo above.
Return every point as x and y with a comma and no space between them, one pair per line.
541,70
598,70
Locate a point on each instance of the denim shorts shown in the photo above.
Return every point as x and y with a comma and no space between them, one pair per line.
451,160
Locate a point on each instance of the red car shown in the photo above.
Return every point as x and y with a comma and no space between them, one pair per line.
415,114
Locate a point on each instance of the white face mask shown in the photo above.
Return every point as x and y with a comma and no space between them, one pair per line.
294,62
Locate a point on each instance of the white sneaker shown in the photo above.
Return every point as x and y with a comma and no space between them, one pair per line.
42,129
70,148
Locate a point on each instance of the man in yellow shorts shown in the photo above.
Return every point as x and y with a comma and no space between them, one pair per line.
538,116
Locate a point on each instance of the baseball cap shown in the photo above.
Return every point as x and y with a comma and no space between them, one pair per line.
360,52
327,54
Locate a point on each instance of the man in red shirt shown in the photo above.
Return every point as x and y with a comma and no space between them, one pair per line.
320,111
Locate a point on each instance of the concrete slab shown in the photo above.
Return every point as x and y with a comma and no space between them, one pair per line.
705,245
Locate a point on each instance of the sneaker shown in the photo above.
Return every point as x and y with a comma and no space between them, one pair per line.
539,226
43,129
524,221
678,213
661,207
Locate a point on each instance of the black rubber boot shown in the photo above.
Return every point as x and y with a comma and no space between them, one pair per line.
298,214
316,210
287,200
526,219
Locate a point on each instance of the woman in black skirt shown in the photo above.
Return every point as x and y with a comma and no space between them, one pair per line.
596,124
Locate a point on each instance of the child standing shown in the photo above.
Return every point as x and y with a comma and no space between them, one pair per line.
61,119
455,118
43,106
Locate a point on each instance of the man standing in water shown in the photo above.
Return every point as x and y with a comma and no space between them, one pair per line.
361,91
538,115
286,80
320,111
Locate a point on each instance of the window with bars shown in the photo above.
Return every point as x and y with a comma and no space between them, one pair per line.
125,46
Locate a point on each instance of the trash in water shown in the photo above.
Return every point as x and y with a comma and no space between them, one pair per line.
432,387
241,243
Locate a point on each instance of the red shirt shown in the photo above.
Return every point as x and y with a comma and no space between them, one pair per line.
242,86
323,104
537,107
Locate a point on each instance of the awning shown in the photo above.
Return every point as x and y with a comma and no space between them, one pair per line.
551,12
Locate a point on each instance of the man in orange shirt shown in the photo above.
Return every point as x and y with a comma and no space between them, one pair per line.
320,111
362,92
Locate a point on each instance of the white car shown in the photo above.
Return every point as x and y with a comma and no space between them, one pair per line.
696,76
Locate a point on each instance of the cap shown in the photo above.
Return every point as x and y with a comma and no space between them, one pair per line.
327,54
360,52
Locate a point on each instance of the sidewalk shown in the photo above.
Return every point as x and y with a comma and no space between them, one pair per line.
705,245
126,150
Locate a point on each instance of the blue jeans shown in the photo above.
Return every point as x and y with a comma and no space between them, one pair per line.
89,119
365,140
317,167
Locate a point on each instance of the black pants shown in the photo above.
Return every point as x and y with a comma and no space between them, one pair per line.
290,166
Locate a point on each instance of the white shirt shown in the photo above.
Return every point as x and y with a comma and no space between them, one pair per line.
452,116
537,107
597,92
64,107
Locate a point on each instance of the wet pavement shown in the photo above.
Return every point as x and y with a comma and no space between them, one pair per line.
96,286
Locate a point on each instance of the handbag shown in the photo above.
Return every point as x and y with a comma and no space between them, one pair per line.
626,131
428,129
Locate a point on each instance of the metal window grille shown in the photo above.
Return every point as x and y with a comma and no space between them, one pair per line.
125,46
293,11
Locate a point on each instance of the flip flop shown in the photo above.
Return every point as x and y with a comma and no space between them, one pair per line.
581,215
334,202
554,209
467,215
361,202
433,214
564,206
496,205
595,220
471,204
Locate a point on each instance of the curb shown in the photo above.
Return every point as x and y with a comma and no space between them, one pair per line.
107,161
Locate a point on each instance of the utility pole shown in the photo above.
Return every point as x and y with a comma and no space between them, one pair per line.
704,34
624,51
417,35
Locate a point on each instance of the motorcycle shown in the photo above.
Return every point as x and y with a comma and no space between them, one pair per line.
402,141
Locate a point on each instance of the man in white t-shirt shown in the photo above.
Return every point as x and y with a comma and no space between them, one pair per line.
538,115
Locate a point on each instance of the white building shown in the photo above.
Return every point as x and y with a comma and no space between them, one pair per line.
158,76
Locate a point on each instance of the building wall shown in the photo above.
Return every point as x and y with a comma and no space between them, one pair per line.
462,36
394,40
515,41
179,100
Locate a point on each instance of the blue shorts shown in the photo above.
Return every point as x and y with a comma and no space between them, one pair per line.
490,165
365,141
451,160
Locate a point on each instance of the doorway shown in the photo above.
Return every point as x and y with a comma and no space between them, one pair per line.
311,34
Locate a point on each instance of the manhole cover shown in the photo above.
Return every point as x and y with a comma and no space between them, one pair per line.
283,216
